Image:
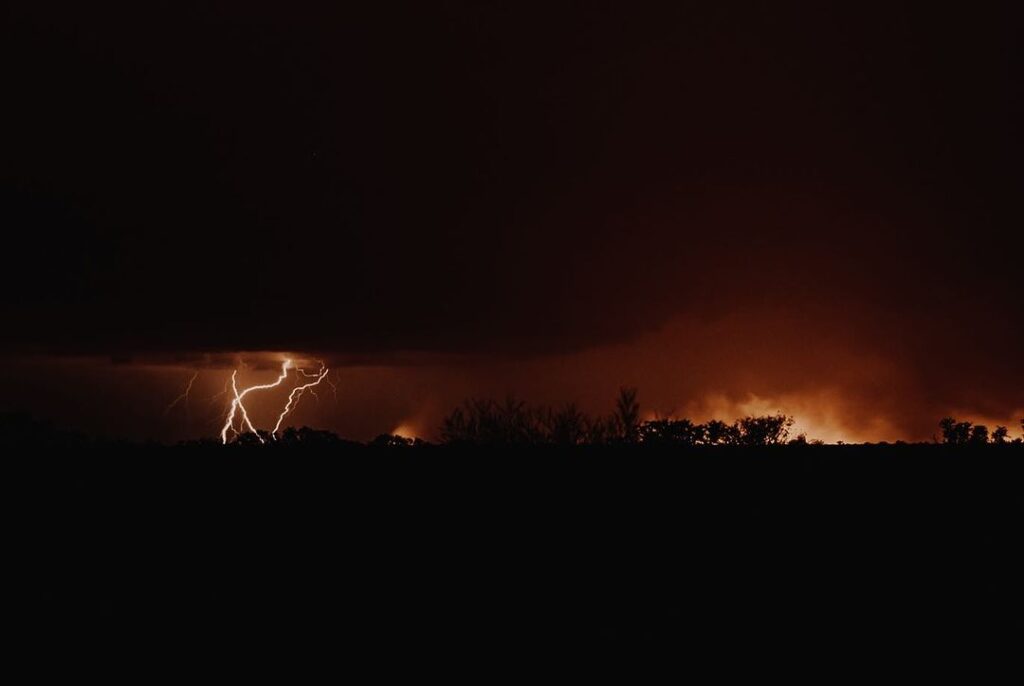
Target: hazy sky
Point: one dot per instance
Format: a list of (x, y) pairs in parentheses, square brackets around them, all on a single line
[(732, 207)]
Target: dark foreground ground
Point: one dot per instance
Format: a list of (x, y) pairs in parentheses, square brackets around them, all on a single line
[(421, 556)]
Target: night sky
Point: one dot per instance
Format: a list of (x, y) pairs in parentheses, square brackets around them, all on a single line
[(735, 208)]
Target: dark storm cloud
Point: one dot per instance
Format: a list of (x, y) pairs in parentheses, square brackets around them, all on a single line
[(454, 179)]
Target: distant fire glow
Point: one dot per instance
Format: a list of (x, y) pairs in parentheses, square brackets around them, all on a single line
[(237, 413)]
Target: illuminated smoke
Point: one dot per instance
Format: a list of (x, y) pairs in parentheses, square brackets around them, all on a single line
[(238, 406)]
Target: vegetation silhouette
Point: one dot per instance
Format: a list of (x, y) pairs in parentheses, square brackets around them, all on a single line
[(514, 423), (958, 433), (527, 523), (485, 422)]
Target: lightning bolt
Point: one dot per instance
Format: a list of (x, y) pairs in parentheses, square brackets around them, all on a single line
[(238, 406), (183, 396), (293, 397)]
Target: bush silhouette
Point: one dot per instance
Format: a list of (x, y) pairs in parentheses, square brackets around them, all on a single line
[(671, 432), (769, 430), (717, 432)]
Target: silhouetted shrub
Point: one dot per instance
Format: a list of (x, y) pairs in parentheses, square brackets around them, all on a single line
[(717, 432), (671, 432), (767, 430)]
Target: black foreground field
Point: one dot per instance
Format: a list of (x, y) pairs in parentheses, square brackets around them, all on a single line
[(454, 552)]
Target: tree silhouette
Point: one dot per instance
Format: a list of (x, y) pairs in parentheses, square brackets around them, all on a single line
[(600, 431), (515, 423), (627, 415), (954, 432), (999, 435), (486, 422), (979, 435), (567, 426)]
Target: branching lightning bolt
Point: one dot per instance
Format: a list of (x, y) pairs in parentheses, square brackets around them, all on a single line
[(183, 396), (293, 397), (238, 406), (334, 388)]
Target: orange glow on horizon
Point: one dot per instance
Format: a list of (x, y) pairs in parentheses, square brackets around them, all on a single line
[(406, 430)]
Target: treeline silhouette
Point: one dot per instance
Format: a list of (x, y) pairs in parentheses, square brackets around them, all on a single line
[(526, 524), (514, 423), (966, 433), (486, 422)]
